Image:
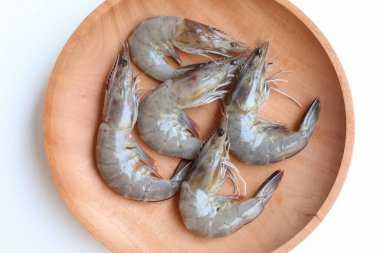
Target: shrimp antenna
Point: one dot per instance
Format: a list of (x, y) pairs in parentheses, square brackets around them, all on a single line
[(138, 78), (234, 181), (288, 96), (274, 81), (280, 72), (210, 58), (143, 92), (235, 174)]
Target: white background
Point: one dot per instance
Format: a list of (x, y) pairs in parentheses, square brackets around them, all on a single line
[(34, 218)]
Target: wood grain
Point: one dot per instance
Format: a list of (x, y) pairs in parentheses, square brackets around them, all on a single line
[(313, 178)]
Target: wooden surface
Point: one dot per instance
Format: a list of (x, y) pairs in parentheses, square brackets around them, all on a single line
[(312, 180)]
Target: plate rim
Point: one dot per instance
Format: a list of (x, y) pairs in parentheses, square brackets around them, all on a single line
[(350, 129)]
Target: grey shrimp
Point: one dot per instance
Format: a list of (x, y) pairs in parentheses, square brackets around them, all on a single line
[(208, 214), (118, 156), (255, 140), (155, 38), (164, 124)]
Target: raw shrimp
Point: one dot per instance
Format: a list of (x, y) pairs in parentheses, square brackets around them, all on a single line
[(164, 124), (118, 156), (156, 38), (255, 140), (208, 214)]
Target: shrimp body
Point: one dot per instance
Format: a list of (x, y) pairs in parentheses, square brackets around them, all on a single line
[(255, 140), (260, 142), (155, 38), (118, 156), (208, 214), (164, 124)]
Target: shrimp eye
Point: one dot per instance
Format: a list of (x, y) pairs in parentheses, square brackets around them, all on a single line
[(233, 62), (233, 44), (220, 131), (258, 51), (124, 63)]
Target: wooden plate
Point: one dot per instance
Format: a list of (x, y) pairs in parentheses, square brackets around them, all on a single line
[(313, 178)]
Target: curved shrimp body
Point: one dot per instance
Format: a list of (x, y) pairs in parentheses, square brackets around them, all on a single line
[(164, 124), (208, 214), (255, 140), (156, 38), (118, 155)]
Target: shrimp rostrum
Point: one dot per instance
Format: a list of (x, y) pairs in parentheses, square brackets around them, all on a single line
[(255, 140), (157, 37), (205, 212), (164, 124), (122, 163)]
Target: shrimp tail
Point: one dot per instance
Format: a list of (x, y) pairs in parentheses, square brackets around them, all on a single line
[(161, 189), (171, 51), (267, 189), (188, 122), (310, 118), (182, 170)]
